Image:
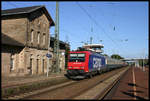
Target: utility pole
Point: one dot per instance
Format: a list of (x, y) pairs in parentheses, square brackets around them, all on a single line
[(143, 65), (48, 66), (56, 41), (143, 60), (91, 38)]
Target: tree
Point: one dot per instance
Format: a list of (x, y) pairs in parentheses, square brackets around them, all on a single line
[(116, 56), (146, 62), (105, 55), (66, 55)]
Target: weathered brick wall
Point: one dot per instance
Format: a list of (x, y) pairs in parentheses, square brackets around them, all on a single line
[(15, 28), (38, 65), (38, 23), (22, 62), (62, 59), (19, 29), (9, 52), (5, 63)]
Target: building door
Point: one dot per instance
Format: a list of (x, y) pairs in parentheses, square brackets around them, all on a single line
[(30, 69), (11, 64), (37, 66), (43, 67)]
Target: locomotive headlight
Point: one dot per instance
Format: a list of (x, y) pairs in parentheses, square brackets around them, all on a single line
[(82, 67)]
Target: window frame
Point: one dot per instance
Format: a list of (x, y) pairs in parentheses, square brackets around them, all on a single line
[(78, 58), (38, 37), (44, 38), (32, 35)]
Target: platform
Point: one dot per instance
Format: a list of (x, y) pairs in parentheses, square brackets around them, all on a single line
[(134, 85)]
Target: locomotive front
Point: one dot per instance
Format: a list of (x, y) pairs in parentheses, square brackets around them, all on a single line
[(77, 64)]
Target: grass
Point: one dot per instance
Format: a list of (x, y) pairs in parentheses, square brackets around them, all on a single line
[(6, 92)]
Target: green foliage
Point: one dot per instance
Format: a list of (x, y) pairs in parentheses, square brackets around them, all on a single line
[(116, 56), (9, 91), (146, 62), (30, 87), (66, 56), (105, 55)]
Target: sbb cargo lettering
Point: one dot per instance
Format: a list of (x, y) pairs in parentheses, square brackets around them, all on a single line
[(96, 62)]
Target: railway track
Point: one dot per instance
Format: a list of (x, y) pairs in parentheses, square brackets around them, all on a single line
[(72, 89), (90, 87), (108, 92), (105, 86)]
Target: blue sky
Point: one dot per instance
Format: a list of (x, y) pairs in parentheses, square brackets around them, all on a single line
[(130, 20)]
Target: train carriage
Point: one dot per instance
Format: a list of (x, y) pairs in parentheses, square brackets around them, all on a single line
[(84, 64), (113, 63)]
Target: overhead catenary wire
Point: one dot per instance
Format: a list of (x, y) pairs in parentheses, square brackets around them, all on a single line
[(66, 31), (95, 22)]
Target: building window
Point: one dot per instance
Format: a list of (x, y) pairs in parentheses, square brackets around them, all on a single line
[(32, 35), (39, 23), (11, 63), (38, 37), (44, 36), (30, 69)]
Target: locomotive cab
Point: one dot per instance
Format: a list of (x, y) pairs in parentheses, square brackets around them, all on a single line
[(77, 64)]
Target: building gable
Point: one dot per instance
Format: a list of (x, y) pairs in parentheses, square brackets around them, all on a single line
[(26, 10)]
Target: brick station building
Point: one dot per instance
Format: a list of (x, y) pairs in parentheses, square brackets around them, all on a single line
[(25, 33)]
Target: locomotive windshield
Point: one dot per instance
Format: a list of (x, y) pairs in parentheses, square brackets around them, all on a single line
[(77, 57)]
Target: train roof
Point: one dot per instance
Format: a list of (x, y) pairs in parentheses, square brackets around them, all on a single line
[(78, 51), (86, 51), (94, 45)]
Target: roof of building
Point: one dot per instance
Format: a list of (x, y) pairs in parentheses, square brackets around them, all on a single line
[(10, 41), (26, 10)]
